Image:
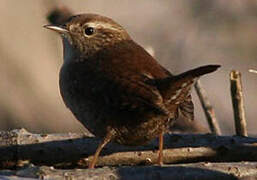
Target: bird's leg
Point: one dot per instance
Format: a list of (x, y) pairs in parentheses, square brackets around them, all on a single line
[(160, 153), (105, 141)]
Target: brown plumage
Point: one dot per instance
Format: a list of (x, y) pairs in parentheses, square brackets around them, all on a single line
[(115, 88)]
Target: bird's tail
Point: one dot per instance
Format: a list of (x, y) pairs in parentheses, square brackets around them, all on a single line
[(197, 72), (175, 89)]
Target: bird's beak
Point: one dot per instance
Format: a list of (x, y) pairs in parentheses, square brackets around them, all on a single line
[(56, 28)]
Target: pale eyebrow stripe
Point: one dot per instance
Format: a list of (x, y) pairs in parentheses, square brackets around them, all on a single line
[(103, 24)]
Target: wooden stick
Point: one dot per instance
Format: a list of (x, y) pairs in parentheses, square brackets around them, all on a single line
[(207, 108), (253, 71), (59, 15), (203, 170), (19, 148), (238, 103)]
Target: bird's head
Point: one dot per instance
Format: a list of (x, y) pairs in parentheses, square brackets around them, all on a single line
[(89, 33)]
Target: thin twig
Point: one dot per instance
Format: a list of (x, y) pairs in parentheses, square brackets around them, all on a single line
[(208, 109), (253, 71), (238, 103)]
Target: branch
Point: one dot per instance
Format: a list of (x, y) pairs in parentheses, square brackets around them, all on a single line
[(210, 171), (238, 103), (207, 108), (19, 147), (59, 15)]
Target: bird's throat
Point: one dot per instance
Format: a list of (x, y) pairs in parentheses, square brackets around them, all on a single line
[(69, 51)]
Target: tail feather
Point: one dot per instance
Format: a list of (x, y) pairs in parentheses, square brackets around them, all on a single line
[(175, 89), (197, 72)]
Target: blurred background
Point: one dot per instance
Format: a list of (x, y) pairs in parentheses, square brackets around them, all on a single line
[(184, 34)]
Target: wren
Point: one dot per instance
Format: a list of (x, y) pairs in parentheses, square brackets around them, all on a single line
[(115, 88)]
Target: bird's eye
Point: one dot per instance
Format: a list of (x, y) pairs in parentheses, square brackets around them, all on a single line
[(89, 31)]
